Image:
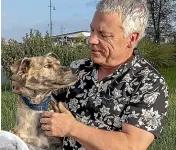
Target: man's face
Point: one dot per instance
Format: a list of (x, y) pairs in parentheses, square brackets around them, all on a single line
[(109, 47)]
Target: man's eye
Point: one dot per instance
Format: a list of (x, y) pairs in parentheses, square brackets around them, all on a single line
[(92, 30), (104, 35)]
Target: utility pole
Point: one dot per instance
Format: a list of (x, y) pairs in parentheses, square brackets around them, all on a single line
[(51, 24)]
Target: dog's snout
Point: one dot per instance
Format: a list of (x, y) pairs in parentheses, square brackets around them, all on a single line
[(65, 69), (68, 69)]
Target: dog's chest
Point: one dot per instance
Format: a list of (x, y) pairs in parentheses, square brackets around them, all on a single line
[(28, 120), (29, 128)]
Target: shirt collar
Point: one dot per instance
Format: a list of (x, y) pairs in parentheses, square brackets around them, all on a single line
[(121, 69)]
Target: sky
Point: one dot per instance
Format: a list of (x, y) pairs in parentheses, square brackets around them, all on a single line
[(19, 16)]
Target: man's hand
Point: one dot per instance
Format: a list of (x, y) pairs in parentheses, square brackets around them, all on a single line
[(58, 124)]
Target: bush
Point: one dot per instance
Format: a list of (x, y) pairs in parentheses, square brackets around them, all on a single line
[(68, 54), (34, 44), (159, 55)]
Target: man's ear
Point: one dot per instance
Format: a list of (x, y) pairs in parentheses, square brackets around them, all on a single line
[(134, 38), (21, 66)]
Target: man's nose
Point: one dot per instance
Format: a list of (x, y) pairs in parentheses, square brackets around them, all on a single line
[(93, 39)]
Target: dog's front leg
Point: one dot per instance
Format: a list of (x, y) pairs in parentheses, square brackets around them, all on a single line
[(36, 141)]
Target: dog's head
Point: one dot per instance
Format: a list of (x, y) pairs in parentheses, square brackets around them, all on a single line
[(42, 73)]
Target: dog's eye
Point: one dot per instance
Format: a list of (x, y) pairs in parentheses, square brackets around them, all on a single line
[(48, 66)]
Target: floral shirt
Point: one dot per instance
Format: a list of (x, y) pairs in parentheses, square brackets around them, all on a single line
[(135, 93)]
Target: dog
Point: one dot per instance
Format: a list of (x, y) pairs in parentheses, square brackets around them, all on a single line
[(37, 78)]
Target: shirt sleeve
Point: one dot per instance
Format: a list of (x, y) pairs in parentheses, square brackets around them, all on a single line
[(147, 107), (78, 64)]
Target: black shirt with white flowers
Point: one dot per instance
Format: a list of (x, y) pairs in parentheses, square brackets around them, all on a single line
[(134, 93)]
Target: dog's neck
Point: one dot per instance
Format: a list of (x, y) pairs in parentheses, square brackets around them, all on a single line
[(36, 97)]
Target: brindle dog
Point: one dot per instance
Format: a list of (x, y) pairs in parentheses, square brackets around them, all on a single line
[(37, 78)]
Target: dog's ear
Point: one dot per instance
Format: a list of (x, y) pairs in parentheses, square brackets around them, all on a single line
[(21, 66), (52, 55), (15, 66)]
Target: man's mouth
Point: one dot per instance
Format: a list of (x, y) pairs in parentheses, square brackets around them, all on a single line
[(95, 51)]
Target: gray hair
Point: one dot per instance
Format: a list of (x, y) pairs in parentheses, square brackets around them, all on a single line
[(134, 14)]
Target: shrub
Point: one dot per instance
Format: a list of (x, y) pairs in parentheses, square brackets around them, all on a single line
[(34, 44), (158, 55)]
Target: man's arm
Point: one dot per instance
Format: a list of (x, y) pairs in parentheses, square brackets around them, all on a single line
[(64, 124), (131, 138)]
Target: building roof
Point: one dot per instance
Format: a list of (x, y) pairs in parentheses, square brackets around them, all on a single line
[(73, 34)]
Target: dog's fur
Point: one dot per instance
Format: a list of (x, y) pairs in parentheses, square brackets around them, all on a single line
[(37, 78)]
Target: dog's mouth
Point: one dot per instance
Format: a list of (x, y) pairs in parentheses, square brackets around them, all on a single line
[(48, 84), (63, 88)]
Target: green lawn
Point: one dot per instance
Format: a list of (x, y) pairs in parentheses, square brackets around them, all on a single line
[(167, 140)]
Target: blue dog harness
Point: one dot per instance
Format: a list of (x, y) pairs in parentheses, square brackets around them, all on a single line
[(42, 106)]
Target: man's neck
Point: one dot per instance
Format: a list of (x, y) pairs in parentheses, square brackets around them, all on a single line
[(104, 71)]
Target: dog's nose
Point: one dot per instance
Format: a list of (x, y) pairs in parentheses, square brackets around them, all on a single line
[(74, 71)]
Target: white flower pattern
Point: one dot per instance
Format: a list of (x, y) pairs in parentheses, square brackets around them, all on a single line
[(138, 96)]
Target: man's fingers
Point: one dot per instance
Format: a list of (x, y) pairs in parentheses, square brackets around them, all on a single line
[(62, 108), (45, 120), (46, 127), (47, 114)]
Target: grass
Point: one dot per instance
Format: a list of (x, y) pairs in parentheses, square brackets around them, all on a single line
[(167, 140), (8, 103)]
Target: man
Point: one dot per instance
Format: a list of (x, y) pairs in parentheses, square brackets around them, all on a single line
[(120, 100)]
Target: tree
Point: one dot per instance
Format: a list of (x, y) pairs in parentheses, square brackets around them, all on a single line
[(162, 19)]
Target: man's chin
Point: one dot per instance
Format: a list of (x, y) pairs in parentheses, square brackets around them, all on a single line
[(96, 60)]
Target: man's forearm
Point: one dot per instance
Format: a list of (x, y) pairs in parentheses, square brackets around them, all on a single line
[(97, 139)]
